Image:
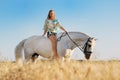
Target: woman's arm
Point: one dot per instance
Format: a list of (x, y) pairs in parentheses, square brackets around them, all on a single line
[(45, 28), (63, 29), (44, 32), (60, 26)]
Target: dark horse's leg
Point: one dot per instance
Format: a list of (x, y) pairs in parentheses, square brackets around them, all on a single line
[(34, 57)]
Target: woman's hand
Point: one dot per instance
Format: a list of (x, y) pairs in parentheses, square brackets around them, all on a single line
[(44, 32), (43, 35)]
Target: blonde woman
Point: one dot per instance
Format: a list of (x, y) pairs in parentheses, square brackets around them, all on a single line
[(50, 27)]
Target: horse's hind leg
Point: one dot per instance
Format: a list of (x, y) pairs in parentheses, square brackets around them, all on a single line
[(28, 53), (34, 57)]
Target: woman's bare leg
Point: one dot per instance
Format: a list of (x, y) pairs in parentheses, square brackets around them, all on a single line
[(54, 46)]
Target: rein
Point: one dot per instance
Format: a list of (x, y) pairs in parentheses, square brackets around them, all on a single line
[(64, 34), (75, 43), (59, 38)]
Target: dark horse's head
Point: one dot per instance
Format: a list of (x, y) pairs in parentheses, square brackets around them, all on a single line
[(88, 47)]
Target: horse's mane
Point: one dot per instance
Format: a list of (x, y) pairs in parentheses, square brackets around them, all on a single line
[(59, 34)]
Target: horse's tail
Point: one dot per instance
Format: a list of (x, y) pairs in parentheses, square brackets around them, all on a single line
[(18, 50)]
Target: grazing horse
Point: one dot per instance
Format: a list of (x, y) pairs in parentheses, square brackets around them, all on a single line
[(66, 42)]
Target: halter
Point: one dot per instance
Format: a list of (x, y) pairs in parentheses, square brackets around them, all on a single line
[(66, 33), (85, 45)]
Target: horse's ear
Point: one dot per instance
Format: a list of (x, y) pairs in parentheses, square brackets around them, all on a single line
[(95, 39)]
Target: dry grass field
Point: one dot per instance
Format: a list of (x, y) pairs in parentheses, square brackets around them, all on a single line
[(58, 70)]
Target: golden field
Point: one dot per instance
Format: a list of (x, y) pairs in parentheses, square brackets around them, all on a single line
[(58, 70)]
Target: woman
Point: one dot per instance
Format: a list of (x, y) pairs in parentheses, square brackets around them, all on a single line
[(50, 27)]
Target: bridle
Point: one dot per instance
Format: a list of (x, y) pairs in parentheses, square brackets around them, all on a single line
[(86, 44), (81, 48)]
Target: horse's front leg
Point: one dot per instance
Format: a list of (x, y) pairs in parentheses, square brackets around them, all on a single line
[(67, 56)]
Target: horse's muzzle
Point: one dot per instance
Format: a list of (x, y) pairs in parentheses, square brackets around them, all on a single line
[(88, 54)]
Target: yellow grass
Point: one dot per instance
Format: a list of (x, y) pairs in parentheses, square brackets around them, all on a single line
[(58, 70)]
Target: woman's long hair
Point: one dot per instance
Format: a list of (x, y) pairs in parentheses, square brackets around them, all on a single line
[(48, 17)]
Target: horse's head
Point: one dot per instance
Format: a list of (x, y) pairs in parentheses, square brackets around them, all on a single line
[(88, 47), (80, 40)]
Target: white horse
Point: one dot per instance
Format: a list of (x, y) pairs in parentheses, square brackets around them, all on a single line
[(66, 42)]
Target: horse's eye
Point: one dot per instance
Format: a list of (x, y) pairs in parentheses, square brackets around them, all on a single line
[(89, 45)]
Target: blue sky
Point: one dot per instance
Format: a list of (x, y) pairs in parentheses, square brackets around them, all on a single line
[(20, 19)]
